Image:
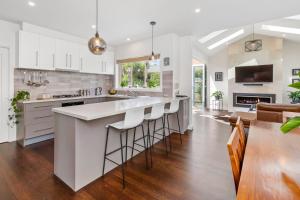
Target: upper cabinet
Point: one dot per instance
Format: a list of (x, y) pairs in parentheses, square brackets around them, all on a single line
[(36, 51), (97, 64), (46, 53), (67, 55), (28, 50)]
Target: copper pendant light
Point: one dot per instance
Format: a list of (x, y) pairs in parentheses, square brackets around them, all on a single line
[(97, 45), (152, 57)]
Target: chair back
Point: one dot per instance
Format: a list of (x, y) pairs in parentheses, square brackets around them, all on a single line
[(174, 107), (287, 115), (241, 131), (134, 117), (157, 111), (236, 156)]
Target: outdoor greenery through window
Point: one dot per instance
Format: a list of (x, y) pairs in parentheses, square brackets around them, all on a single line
[(141, 74)]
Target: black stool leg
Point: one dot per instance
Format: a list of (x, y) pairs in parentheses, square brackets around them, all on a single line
[(122, 158), (148, 141), (179, 127), (170, 143), (107, 133), (154, 129), (133, 142), (146, 153), (164, 134), (126, 145)]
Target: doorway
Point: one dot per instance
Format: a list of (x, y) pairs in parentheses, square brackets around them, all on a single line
[(198, 86), (4, 94)]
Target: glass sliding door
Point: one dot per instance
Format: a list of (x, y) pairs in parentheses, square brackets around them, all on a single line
[(198, 87)]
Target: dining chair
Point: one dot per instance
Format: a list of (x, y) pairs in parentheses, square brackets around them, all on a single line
[(287, 115), (241, 131), (236, 155)]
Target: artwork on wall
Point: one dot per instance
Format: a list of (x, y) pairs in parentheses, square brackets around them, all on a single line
[(295, 72), (218, 76), (295, 80), (166, 61)]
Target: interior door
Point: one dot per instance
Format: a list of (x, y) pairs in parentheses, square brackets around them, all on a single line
[(4, 80)]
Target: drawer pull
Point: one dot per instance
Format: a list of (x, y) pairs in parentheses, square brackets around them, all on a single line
[(42, 106), (43, 129), (43, 117)]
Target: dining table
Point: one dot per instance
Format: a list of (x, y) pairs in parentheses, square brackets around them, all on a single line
[(271, 165)]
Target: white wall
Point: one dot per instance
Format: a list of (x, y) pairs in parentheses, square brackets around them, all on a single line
[(283, 54), (291, 60), (8, 40), (217, 63)]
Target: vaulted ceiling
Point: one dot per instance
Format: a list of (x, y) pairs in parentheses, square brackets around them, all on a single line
[(121, 19)]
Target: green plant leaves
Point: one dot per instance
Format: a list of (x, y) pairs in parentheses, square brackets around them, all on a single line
[(295, 85), (290, 125)]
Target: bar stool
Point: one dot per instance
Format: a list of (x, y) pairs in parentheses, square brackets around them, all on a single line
[(157, 112), (133, 119), (174, 109)]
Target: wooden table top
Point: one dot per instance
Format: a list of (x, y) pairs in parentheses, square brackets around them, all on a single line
[(271, 167)]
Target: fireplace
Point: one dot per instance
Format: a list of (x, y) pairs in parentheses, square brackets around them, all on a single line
[(250, 99)]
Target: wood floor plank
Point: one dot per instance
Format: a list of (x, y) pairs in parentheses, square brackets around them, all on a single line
[(197, 169)]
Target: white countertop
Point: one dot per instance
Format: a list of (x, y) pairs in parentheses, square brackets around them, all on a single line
[(75, 98), (105, 109)]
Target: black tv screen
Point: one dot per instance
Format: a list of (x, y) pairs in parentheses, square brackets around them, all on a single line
[(254, 74)]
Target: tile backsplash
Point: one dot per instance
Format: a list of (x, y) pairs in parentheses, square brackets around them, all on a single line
[(63, 82)]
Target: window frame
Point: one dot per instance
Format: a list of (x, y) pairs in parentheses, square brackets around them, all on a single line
[(137, 59)]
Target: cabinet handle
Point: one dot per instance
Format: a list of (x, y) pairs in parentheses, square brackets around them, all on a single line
[(43, 129), (43, 117), (36, 58), (67, 60), (81, 63), (53, 60), (70, 60), (42, 106)]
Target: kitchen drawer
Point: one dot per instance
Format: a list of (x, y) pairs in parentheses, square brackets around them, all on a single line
[(92, 100), (39, 129), (36, 117), (40, 106)]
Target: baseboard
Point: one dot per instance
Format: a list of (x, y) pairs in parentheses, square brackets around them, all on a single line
[(34, 140)]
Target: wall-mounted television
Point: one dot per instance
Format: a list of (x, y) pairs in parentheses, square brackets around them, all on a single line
[(254, 74)]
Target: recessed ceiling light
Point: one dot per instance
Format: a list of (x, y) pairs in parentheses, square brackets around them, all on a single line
[(128, 39), (197, 10), (211, 36), (281, 29), (93, 26), (226, 39), (31, 3)]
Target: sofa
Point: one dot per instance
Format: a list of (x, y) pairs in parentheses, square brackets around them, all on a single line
[(273, 112)]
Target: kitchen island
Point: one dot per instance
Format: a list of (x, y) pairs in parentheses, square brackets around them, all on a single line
[(80, 133)]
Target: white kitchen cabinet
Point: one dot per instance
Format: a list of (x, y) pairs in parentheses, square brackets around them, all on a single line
[(46, 53), (89, 61), (28, 50), (74, 56), (67, 55), (108, 61)]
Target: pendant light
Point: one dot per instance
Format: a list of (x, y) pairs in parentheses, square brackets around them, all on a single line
[(254, 44), (97, 45), (153, 23)]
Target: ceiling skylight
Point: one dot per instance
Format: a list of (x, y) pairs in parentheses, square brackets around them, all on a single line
[(295, 17), (281, 29), (226, 39), (211, 36)]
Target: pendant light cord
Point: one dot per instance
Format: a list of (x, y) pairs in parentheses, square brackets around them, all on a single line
[(97, 15), (152, 37)]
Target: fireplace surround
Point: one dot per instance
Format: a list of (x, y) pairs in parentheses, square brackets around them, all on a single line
[(249, 99)]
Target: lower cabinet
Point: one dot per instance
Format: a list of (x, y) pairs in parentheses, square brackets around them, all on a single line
[(36, 123)]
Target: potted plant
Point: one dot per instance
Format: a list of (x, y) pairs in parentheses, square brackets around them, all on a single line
[(14, 111), (294, 122), (295, 97), (217, 94)]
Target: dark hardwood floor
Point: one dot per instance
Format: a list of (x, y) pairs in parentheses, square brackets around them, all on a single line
[(197, 169)]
